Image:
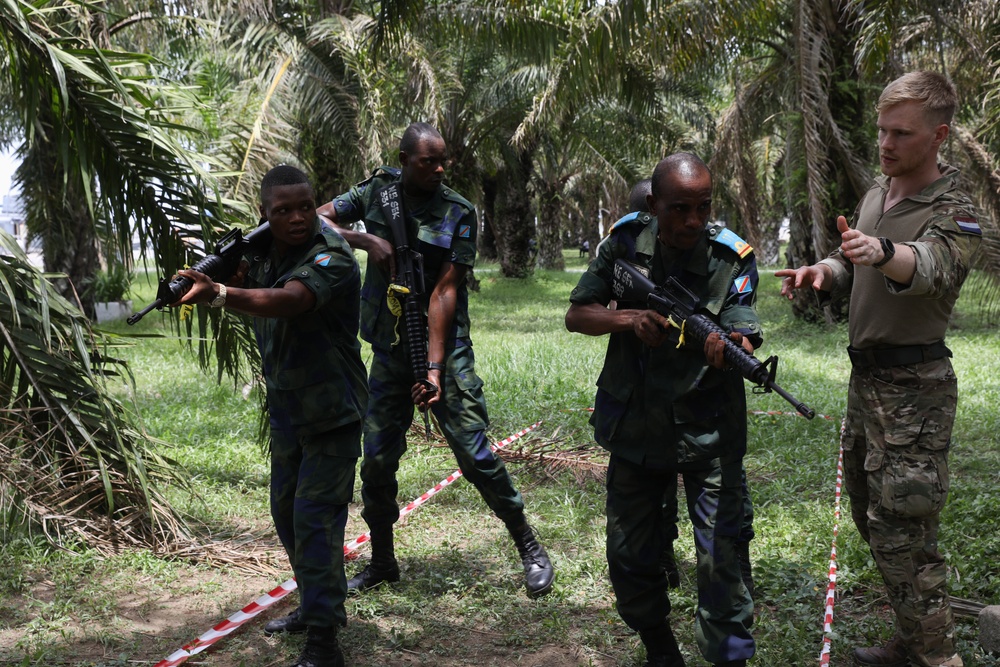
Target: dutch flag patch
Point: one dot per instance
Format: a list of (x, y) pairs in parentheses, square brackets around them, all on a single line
[(968, 225)]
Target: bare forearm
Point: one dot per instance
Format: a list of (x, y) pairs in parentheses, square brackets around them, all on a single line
[(440, 316), (596, 320), (269, 302), (902, 266)]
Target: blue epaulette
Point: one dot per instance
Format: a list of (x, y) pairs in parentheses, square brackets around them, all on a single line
[(730, 240), (626, 219)]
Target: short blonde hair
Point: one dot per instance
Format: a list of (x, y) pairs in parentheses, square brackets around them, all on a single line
[(934, 91)]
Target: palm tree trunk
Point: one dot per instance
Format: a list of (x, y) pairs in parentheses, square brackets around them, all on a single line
[(56, 214), (550, 238), (513, 222)]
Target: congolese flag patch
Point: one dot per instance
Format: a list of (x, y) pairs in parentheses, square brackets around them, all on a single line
[(742, 285), (323, 259), (464, 231)]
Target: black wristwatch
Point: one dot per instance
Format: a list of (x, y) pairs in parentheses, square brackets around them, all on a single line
[(435, 366), (888, 250)]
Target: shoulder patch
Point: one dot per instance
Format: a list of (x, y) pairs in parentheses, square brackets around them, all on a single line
[(742, 285), (323, 259), (968, 225), (464, 231), (733, 242)]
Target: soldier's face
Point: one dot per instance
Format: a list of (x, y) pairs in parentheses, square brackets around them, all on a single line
[(682, 207), (423, 169), (908, 140), (291, 210)]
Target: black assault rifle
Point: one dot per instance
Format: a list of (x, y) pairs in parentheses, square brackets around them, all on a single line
[(219, 266), (407, 286), (678, 304)]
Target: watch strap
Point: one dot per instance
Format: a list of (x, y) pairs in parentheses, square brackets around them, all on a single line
[(888, 251), (220, 299), (435, 366)]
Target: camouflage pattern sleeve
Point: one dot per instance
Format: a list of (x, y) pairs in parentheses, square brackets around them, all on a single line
[(463, 243), (351, 205), (594, 285), (329, 270), (945, 252), (739, 311)]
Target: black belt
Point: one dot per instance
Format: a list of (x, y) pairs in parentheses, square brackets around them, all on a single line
[(898, 356)]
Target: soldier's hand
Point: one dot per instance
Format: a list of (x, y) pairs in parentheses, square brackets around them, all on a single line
[(804, 276), (202, 291), (426, 394), (381, 253), (651, 327), (858, 248), (715, 347), (240, 275)]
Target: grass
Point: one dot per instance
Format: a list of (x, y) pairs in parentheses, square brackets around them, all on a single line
[(461, 600)]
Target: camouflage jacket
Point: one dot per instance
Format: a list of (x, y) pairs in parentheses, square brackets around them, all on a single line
[(316, 380), (445, 229), (665, 405)]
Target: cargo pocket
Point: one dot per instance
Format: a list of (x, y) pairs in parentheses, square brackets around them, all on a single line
[(469, 403), (610, 406), (915, 479)]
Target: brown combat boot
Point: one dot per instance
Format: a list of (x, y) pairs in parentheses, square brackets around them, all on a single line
[(892, 654)]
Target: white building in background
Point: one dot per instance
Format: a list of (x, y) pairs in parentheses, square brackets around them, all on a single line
[(12, 217)]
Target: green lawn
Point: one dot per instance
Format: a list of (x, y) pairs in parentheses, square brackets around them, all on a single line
[(461, 600)]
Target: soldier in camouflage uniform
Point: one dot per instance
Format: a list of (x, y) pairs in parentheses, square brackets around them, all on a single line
[(905, 256), (303, 294), (442, 226), (661, 410), (637, 202)]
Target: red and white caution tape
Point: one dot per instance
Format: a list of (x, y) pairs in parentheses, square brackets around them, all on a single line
[(831, 589), (263, 602)]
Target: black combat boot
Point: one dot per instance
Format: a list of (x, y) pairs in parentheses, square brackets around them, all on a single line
[(743, 556), (669, 563), (383, 568), (321, 649), (289, 624), (661, 647), (538, 571)]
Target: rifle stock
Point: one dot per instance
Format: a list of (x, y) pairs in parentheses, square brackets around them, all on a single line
[(219, 266), (678, 304)]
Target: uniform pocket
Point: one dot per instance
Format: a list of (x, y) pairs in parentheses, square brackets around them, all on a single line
[(914, 481)]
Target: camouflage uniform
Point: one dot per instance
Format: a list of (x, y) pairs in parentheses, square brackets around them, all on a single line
[(445, 228), (900, 410), (316, 397), (663, 411)]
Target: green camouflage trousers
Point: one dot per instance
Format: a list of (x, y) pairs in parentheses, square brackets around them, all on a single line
[(461, 413), (896, 441), (670, 513), (635, 539), (311, 487)]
